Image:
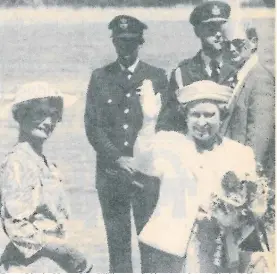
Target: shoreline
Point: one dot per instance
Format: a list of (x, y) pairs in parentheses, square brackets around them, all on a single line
[(27, 15)]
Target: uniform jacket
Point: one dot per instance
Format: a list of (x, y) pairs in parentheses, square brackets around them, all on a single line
[(33, 202), (192, 70), (113, 114), (252, 122)]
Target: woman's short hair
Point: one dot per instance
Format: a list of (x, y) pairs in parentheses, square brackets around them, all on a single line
[(183, 108)]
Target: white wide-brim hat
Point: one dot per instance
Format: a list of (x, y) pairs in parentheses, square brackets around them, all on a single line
[(32, 91)]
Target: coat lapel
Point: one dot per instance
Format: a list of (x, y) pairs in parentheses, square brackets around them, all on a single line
[(138, 76), (198, 71), (228, 74), (197, 68), (116, 75), (118, 78), (116, 82)]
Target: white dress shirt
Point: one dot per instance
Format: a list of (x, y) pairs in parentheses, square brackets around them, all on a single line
[(131, 68)]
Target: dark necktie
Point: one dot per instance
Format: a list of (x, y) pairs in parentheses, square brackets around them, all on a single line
[(214, 65), (127, 73)]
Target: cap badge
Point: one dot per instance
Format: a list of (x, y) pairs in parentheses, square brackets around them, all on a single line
[(123, 23), (216, 10)]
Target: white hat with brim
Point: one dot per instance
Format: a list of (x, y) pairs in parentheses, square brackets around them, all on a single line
[(32, 91), (204, 90)]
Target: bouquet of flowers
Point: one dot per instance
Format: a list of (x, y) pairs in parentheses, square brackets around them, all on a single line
[(235, 213), (234, 200)]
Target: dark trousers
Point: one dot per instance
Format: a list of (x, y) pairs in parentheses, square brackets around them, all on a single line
[(161, 262), (117, 196)]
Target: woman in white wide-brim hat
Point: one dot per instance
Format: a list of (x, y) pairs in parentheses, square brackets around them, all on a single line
[(34, 208), (197, 168)]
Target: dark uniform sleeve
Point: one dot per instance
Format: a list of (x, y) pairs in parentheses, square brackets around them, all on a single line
[(260, 124), (162, 86), (169, 117), (94, 124), (173, 86)]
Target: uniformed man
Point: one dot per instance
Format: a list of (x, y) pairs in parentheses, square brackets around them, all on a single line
[(113, 118), (207, 20)]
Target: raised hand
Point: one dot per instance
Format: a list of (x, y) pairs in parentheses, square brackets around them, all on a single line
[(150, 102)]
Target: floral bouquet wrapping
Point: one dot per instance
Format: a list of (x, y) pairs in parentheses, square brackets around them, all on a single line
[(236, 209)]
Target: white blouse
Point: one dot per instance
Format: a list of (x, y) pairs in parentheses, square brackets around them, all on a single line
[(188, 178)]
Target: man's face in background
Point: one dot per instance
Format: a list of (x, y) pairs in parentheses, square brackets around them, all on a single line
[(211, 36), (239, 47), (238, 50)]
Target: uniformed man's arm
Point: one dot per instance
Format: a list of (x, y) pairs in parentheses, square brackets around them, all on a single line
[(162, 85), (169, 115), (260, 124), (94, 124)]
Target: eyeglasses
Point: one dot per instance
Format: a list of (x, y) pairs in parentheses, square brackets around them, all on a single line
[(237, 43)]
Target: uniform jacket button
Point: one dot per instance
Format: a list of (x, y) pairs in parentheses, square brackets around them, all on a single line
[(126, 111), (125, 126), (128, 95)]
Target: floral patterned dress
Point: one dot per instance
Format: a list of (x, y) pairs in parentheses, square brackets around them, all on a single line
[(33, 203)]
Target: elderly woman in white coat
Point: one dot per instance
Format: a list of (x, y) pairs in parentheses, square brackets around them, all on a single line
[(206, 184), (34, 207)]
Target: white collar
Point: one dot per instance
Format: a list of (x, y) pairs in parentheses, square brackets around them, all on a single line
[(206, 59), (249, 64), (34, 157), (132, 67)]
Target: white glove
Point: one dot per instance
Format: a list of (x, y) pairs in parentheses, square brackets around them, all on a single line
[(150, 102)]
